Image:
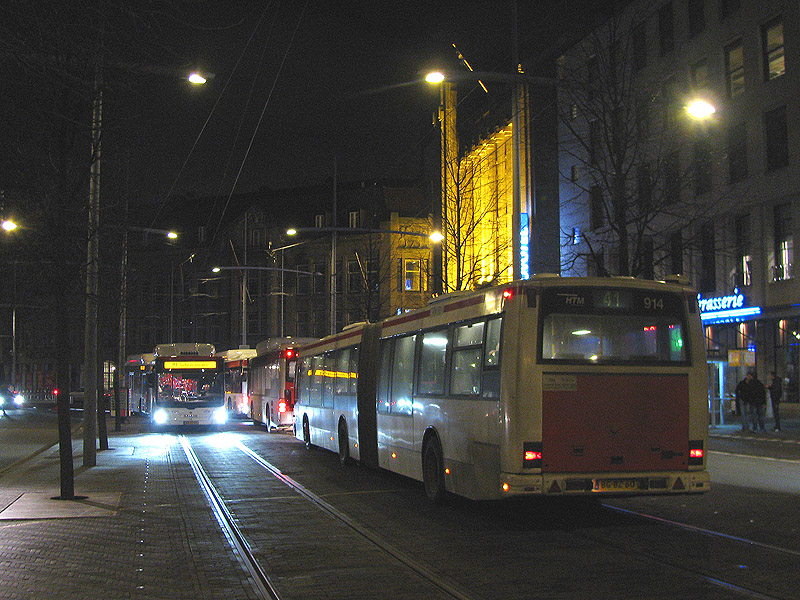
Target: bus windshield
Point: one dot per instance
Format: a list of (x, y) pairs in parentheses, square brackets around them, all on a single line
[(612, 326), (196, 387)]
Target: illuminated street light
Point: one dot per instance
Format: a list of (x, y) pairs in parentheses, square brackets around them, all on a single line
[(8, 225), (196, 78), (700, 109), (434, 77)]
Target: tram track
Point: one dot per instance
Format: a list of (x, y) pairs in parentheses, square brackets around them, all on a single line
[(729, 584), (262, 580), (736, 588)]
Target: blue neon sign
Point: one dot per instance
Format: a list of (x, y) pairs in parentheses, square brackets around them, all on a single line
[(524, 240), (725, 309)]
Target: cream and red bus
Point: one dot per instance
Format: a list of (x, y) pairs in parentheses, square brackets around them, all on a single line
[(548, 386)]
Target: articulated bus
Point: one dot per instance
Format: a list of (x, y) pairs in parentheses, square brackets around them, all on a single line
[(188, 386), (549, 386), (140, 389), (237, 364), (272, 379)]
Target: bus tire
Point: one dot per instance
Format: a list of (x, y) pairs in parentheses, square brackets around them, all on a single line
[(433, 472), (306, 433), (344, 443)]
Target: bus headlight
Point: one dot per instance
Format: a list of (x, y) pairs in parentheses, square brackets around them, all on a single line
[(220, 415), (160, 417), (19, 400)]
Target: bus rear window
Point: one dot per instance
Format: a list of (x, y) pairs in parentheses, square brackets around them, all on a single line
[(612, 326)]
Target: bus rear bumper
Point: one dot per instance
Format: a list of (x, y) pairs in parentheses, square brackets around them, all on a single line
[(605, 484)]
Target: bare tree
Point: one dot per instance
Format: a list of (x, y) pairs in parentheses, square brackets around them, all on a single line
[(476, 217), (637, 170)]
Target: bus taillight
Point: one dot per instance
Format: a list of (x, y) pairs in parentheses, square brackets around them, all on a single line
[(696, 453), (282, 406), (532, 455)]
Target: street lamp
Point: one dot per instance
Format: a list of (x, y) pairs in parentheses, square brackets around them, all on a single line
[(8, 225), (700, 109)]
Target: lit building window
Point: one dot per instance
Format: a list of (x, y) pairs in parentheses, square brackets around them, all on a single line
[(772, 39), (411, 275)]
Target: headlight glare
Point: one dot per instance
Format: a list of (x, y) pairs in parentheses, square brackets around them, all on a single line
[(220, 415)]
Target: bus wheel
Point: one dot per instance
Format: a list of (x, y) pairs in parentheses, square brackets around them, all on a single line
[(306, 433), (433, 472), (344, 443)]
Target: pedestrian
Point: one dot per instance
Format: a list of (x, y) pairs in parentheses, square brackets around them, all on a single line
[(775, 395), (742, 393), (753, 394)]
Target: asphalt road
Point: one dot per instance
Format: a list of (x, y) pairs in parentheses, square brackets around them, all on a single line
[(736, 541)]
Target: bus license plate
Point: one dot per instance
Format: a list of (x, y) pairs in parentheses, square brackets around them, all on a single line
[(191, 422), (615, 485)]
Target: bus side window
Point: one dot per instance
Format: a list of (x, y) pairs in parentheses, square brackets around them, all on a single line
[(329, 372), (303, 380), (341, 378), (432, 362), (491, 359), (403, 375), (354, 372), (383, 402), (315, 389), (466, 367)]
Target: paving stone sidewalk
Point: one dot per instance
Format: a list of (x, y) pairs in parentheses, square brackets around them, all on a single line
[(144, 530)]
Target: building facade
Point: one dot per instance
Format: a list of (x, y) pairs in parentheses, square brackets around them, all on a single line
[(648, 191)]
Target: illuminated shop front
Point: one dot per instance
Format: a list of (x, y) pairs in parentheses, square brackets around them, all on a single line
[(742, 336)]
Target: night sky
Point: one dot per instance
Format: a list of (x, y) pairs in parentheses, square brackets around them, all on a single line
[(298, 86), (328, 81)]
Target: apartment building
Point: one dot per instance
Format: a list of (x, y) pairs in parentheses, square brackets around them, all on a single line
[(647, 190)]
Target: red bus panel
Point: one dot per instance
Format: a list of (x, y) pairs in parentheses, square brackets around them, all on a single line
[(614, 423)]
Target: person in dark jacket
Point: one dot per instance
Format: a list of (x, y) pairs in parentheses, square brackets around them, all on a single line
[(754, 394), (775, 394)]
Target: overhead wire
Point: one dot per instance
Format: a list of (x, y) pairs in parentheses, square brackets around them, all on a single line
[(261, 118), (208, 119)]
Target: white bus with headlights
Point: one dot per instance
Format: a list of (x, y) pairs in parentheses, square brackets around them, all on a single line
[(11, 399), (188, 386)]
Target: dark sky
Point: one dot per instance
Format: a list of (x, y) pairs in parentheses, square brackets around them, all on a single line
[(328, 80)]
